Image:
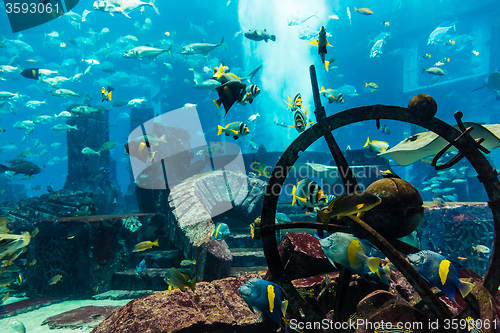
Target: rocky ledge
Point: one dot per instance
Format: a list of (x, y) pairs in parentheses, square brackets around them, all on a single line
[(213, 307)]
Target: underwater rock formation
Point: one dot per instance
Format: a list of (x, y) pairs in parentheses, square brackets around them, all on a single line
[(80, 318), (86, 251), (218, 307), (88, 172), (198, 199), (302, 256), (383, 306), (472, 224), (213, 307), (58, 204), (217, 261)]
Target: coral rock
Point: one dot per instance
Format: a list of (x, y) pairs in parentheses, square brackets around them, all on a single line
[(381, 306), (302, 256), (213, 307), (218, 260)]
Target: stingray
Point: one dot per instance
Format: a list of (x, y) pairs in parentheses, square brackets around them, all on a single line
[(493, 83), (424, 144)]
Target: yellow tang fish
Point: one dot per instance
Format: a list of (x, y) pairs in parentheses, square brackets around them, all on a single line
[(377, 146), (55, 279), (144, 246), (349, 204)]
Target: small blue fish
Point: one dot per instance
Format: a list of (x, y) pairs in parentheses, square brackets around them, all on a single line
[(265, 297), (221, 231), (141, 267), (188, 262), (19, 280), (441, 272)]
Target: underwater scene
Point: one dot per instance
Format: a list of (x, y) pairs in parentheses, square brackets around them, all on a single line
[(249, 166)]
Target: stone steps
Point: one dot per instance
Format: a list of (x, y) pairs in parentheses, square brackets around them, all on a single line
[(248, 257), (160, 258), (245, 260), (122, 294), (149, 279), (247, 254), (242, 240), (238, 271)]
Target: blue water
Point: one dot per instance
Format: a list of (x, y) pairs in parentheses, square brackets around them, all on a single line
[(397, 71)]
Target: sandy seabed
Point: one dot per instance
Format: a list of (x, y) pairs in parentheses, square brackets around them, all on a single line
[(32, 320)]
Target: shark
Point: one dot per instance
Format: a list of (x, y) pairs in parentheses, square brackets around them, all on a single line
[(493, 83)]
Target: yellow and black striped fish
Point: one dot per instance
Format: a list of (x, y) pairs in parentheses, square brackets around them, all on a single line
[(308, 194)]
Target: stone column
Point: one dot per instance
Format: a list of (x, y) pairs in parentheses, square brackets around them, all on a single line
[(91, 173)]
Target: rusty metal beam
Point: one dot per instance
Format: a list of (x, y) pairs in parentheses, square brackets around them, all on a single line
[(350, 182), (437, 307), (350, 185)]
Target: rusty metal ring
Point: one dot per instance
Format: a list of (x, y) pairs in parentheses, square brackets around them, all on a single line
[(350, 116)]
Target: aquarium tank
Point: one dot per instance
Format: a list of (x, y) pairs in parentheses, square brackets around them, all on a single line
[(247, 166)]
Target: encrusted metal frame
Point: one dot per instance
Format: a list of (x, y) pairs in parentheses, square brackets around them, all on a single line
[(467, 147)]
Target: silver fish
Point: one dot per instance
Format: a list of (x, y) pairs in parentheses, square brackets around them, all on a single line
[(65, 93), (201, 48), (146, 52)]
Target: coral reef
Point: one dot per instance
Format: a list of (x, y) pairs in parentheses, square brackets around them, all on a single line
[(471, 224), (197, 200), (131, 223)]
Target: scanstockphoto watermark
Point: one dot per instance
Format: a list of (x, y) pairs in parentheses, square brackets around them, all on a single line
[(329, 189), (27, 14), (379, 326)]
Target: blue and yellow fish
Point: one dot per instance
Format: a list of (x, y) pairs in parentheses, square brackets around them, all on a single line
[(221, 231), (441, 272), (265, 297), (188, 262), (352, 253)]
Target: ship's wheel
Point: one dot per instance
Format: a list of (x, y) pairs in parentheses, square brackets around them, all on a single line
[(421, 111)]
